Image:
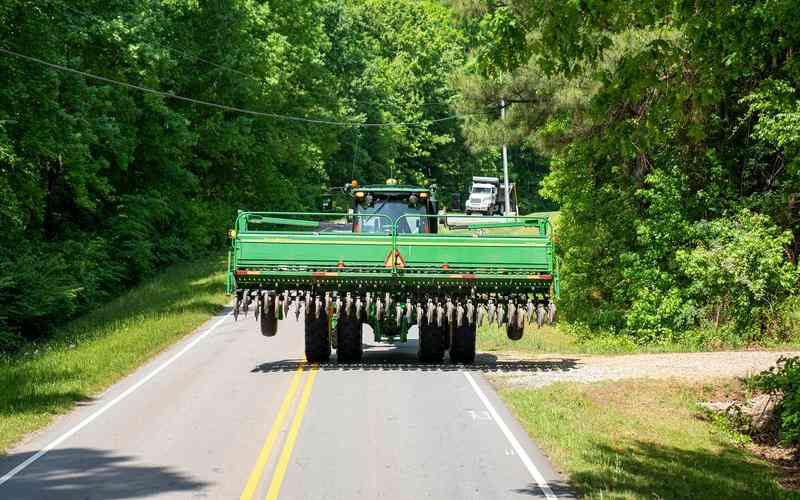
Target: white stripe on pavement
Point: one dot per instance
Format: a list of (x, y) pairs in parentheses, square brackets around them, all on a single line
[(523, 455), (88, 420)]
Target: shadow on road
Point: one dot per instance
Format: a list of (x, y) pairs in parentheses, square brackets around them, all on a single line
[(84, 473), (404, 358), (559, 488)]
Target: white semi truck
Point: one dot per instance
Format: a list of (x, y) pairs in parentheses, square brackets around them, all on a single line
[(487, 196)]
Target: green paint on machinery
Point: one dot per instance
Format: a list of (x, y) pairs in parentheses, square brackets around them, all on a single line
[(392, 262)]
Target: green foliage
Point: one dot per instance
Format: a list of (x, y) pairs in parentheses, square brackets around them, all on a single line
[(673, 133), (100, 185), (738, 269), (783, 381)]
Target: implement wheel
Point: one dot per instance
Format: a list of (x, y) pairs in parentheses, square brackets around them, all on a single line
[(269, 322), (431, 346), (462, 347), (516, 325), (348, 332), (318, 343)]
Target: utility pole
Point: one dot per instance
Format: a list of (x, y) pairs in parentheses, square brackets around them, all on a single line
[(507, 208)]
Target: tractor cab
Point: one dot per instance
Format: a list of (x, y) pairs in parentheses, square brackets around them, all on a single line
[(377, 208)]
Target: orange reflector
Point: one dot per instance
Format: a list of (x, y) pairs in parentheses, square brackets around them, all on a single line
[(423, 195), (354, 183), (243, 272), (399, 261), (462, 276), (540, 277), (324, 275), (445, 266)]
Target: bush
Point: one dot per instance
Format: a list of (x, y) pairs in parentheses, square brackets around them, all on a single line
[(42, 285), (783, 381), (738, 272)]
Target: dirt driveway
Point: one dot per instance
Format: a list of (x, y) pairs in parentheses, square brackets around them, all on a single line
[(689, 366)]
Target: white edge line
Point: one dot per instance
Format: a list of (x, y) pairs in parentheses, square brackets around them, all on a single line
[(88, 420), (523, 455)]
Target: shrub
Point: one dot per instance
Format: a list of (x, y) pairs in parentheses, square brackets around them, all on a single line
[(738, 272), (783, 381)]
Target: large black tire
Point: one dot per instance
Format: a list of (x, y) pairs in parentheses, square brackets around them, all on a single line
[(318, 344), (431, 346), (269, 322), (462, 348), (348, 333)]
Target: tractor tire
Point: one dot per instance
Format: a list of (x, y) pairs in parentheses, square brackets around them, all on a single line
[(269, 322), (462, 348), (318, 343), (431, 346), (348, 333)]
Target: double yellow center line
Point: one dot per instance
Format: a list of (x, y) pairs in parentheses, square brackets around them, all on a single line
[(269, 443)]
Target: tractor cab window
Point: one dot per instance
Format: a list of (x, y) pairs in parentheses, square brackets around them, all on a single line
[(393, 209)]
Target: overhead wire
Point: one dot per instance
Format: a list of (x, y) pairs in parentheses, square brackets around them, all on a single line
[(225, 107), (250, 76), (169, 49)]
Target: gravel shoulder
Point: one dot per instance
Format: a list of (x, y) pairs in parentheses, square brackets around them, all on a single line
[(588, 369)]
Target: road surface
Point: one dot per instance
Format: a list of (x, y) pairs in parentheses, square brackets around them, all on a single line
[(229, 414)]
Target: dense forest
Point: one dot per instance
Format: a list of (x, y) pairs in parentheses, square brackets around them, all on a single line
[(668, 132), (673, 130), (111, 167)]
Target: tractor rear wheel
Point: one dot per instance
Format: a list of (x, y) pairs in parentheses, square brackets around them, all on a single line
[(269, 322), (318, 343), (348, 333), (431, 346), (462, 346)]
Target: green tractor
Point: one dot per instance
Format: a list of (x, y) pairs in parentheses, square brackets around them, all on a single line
[(392, 262)]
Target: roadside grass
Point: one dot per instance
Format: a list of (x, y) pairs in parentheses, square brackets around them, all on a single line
[(555, 340), (559, 340), (642, 439), (91, 353)]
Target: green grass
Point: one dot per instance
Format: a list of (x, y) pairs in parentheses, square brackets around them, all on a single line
[(89, 354), (559, 340), (555, 340), (543, 340), (641, 439)]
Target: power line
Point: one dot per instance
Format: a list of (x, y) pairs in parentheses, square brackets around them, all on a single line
[(170, 49), (224, 107), (251, 76)]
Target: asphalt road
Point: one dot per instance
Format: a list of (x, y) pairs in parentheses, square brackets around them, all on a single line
[(229, 414)]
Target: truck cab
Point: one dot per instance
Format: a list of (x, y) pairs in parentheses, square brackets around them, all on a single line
[(482, 198), (488, 197)]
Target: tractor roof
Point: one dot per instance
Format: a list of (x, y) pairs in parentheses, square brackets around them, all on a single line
[(392, 188)]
